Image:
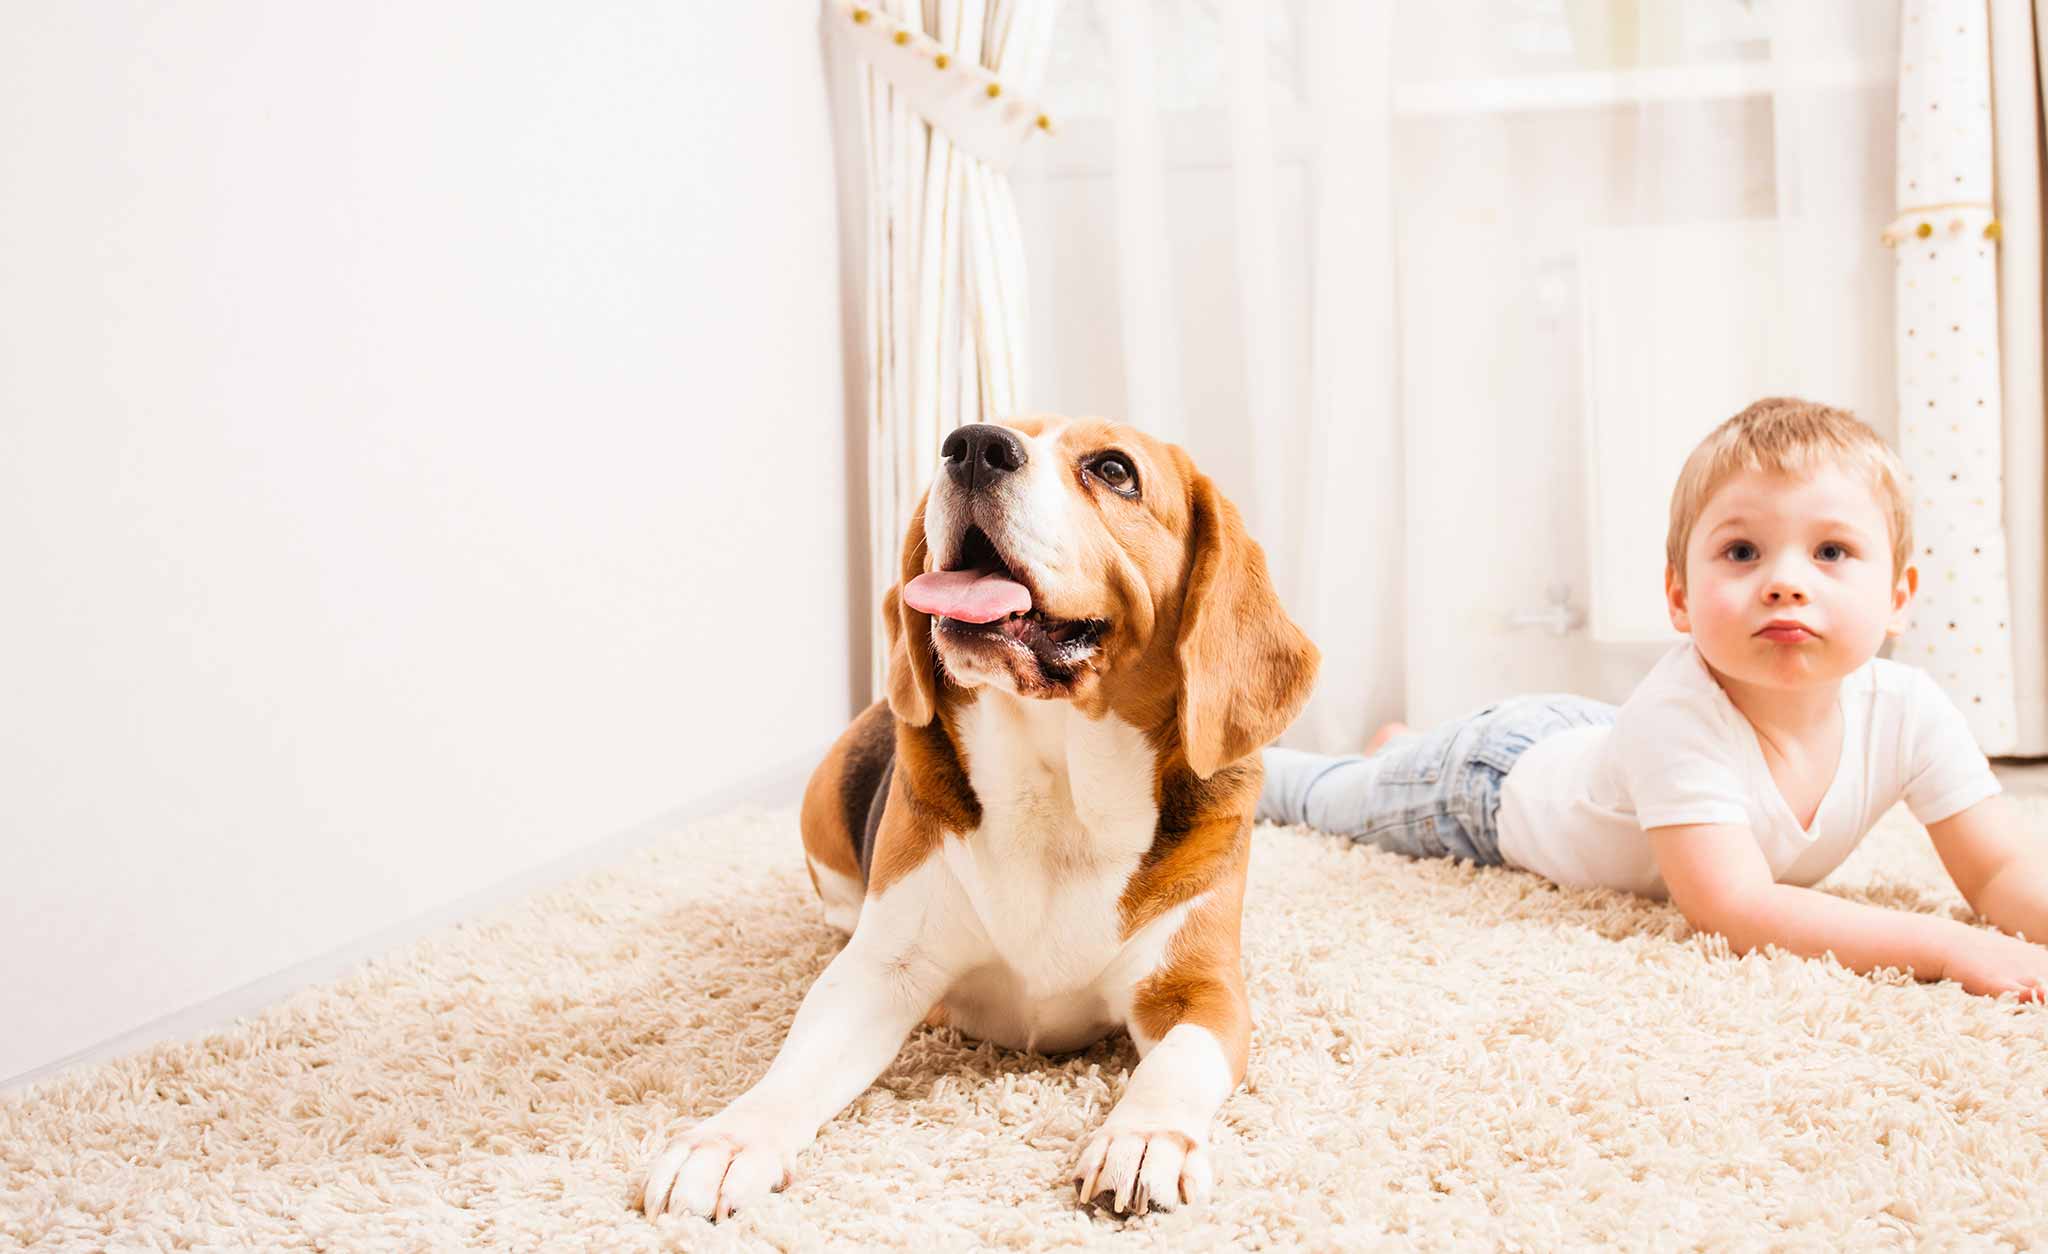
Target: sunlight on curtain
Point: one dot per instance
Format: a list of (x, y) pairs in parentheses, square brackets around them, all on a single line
[(1449, 289)]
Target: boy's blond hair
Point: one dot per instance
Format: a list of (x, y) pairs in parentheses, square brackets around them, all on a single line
[(1785, 435)]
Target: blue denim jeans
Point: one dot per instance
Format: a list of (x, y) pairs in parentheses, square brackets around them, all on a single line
[(1433, 794)]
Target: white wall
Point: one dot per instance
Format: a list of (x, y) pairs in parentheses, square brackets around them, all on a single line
[(423, 452)]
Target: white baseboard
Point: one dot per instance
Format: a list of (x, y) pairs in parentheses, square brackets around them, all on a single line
[(780, 786)]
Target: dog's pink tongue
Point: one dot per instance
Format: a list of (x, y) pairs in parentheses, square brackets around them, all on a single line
[(971, 596)]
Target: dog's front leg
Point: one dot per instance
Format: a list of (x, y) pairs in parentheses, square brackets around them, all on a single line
[(1153, 1150), (1192, 1029), (849, 1027)]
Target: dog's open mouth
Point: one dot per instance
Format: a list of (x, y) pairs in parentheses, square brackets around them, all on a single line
[(979, 597)]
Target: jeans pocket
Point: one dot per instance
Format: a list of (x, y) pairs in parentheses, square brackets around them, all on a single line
[(1523, 722), (1501, 749)]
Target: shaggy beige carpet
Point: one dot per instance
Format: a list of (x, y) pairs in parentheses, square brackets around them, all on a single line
[(1443, 1056)]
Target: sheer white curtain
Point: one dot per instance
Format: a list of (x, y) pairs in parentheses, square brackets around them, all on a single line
[(1442, 292), (947, 100)]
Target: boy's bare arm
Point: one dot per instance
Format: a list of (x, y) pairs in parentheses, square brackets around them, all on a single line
[(2003, 875), (1719, 879)]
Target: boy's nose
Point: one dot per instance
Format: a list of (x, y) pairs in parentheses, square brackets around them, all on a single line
[(1785, 576)]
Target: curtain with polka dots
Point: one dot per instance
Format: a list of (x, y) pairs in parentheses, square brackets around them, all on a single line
[(1951, 415)]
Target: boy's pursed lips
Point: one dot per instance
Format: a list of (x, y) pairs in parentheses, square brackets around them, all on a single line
[(1787, 631)]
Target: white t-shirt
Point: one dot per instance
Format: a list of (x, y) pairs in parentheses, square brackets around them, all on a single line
[(1575, 806)]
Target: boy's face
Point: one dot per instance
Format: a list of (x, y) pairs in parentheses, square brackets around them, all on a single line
[(1788, 580)]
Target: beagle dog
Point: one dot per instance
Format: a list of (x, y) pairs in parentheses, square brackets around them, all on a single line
[(1042, 835)]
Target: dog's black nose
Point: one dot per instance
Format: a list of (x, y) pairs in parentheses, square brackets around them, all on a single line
[(980, 454)]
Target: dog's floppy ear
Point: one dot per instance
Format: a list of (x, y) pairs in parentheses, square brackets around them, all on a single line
[(913, 667), (1246, 669)]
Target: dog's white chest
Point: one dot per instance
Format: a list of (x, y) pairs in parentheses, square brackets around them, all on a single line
[(1067, 812)]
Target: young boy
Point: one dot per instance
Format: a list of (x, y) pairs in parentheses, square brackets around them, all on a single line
[(1755, 755)]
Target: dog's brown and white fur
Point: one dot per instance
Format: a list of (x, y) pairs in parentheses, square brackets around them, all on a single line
[(1064, 811)]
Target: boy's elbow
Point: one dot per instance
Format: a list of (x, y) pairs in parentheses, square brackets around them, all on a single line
[(1740, 918), (2005, 890)]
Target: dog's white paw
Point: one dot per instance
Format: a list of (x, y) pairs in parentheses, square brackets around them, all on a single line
[(714, 1169), (1138, 1170)]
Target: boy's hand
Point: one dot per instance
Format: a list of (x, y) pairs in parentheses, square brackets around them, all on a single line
[(1992, 963), (1718, 877)]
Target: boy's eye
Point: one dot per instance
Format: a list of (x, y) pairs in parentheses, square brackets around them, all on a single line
[(1740, 551), (1831, 552)]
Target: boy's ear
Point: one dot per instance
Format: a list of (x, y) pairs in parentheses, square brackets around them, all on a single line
[(1902, 600), (1674, 600)]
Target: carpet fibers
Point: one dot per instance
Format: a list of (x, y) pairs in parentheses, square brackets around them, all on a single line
[(1443, 1056)]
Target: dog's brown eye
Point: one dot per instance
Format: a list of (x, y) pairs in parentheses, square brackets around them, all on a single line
[(1115, 471)]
